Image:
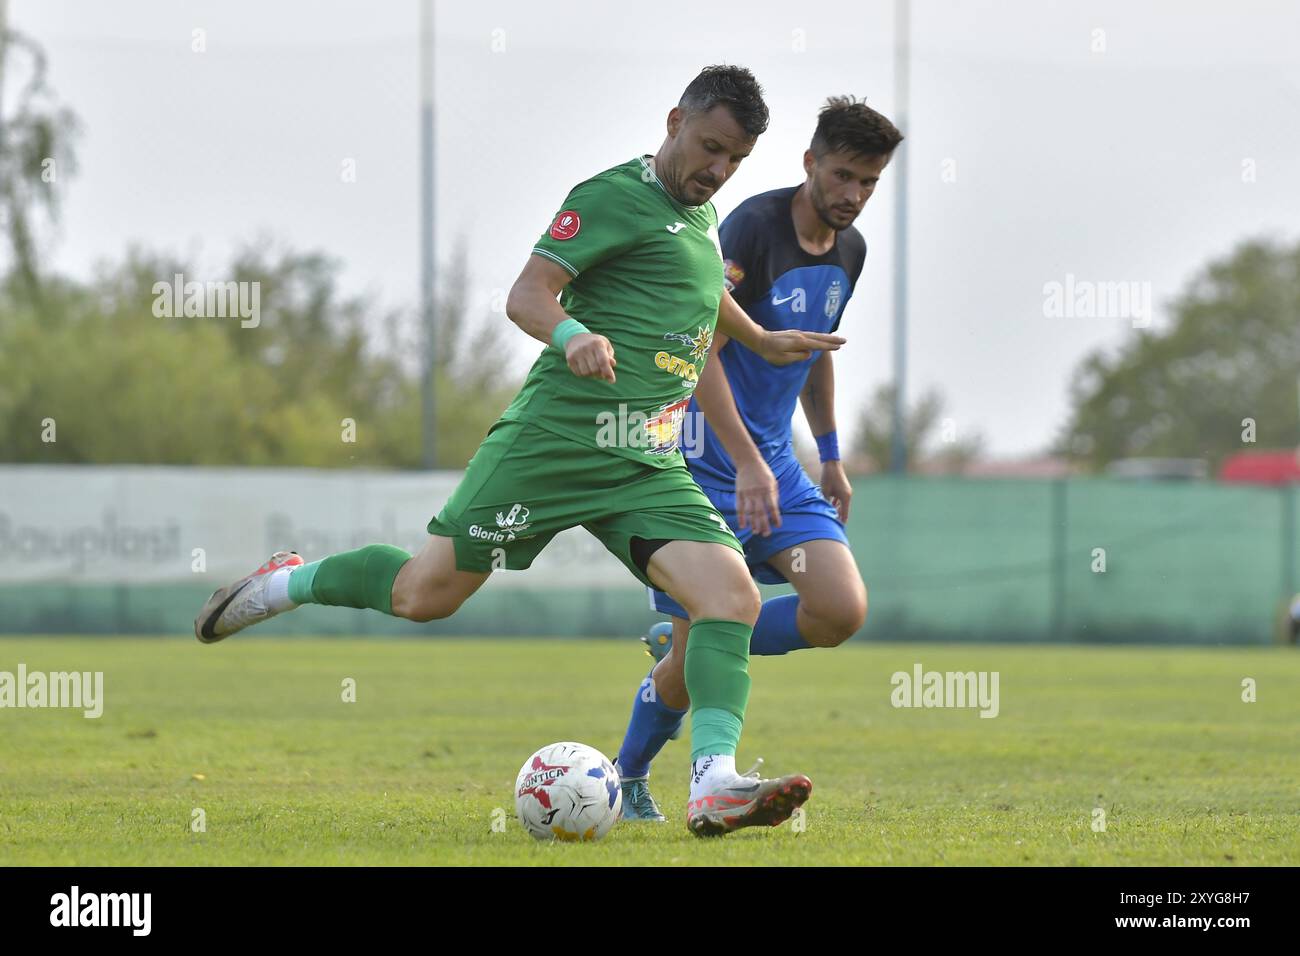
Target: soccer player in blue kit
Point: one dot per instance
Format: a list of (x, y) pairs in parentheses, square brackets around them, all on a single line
[(792, 258)]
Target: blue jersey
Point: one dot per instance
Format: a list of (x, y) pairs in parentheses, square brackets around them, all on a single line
[(780, 286)]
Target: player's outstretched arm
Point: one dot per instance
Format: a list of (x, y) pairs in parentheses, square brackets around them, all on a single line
[(532, 306), (757, 502), (818, 400), (779, 348)]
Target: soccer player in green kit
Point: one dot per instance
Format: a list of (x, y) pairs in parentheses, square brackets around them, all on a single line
[(593, 437)]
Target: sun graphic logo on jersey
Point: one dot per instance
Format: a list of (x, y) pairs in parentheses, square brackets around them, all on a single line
[(699, 342)]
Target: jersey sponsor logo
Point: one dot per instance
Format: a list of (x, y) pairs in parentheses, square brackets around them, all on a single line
[(677, 366), (659, 431), (732, 274), (833, 300), (514, 521), (699, 342), (799, 297), (566, 225), (664, 428), (676, 227), (687, 370)]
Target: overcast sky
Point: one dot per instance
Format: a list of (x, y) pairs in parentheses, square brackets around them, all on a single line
[(1111, 141)]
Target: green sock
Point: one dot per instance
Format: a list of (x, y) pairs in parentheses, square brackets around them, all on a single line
[(360, 578), (717, 677)]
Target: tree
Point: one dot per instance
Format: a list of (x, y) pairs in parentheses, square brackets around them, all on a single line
[(35, 152), (1231, 353), (473, 381), (124, 385), (929, 437), (123, 381)]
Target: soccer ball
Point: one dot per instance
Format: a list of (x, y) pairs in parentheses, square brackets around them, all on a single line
[(568, 791)]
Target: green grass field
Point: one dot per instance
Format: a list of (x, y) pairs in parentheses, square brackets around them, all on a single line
[(255, 734)]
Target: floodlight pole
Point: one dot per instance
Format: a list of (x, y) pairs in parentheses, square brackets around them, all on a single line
[(902, 53), (428, 382)]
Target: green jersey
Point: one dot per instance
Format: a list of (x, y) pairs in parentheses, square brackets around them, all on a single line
[(647, 275)]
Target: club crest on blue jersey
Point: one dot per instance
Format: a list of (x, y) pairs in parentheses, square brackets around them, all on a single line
[(833, 300)]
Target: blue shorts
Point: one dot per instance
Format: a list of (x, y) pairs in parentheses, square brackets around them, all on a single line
[(805, 516)]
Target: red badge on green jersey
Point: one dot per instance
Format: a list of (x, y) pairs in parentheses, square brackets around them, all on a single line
[(566, 225)]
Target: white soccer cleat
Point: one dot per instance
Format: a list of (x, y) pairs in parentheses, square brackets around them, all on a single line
[(239, 605), (747, 801)]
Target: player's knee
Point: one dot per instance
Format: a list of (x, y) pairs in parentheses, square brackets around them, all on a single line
[(751, 602), (424, 612), (415, 609), (838, 620), (423, 601), (738, 601)]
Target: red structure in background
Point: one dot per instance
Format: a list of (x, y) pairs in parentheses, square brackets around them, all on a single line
[(1262, 468)]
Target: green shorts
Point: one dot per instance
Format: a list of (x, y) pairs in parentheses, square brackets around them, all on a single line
[(524, 485)]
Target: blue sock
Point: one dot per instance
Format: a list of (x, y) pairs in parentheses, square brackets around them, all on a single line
[(651, 725), (776, 631)]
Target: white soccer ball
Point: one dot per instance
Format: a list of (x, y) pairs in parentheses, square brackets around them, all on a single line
[(568, 791)]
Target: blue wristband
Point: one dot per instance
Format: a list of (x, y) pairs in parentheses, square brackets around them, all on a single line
[(565, 331), (828, 447)]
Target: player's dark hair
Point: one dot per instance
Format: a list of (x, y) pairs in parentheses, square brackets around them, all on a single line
[(733, 87), (849, 125)]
